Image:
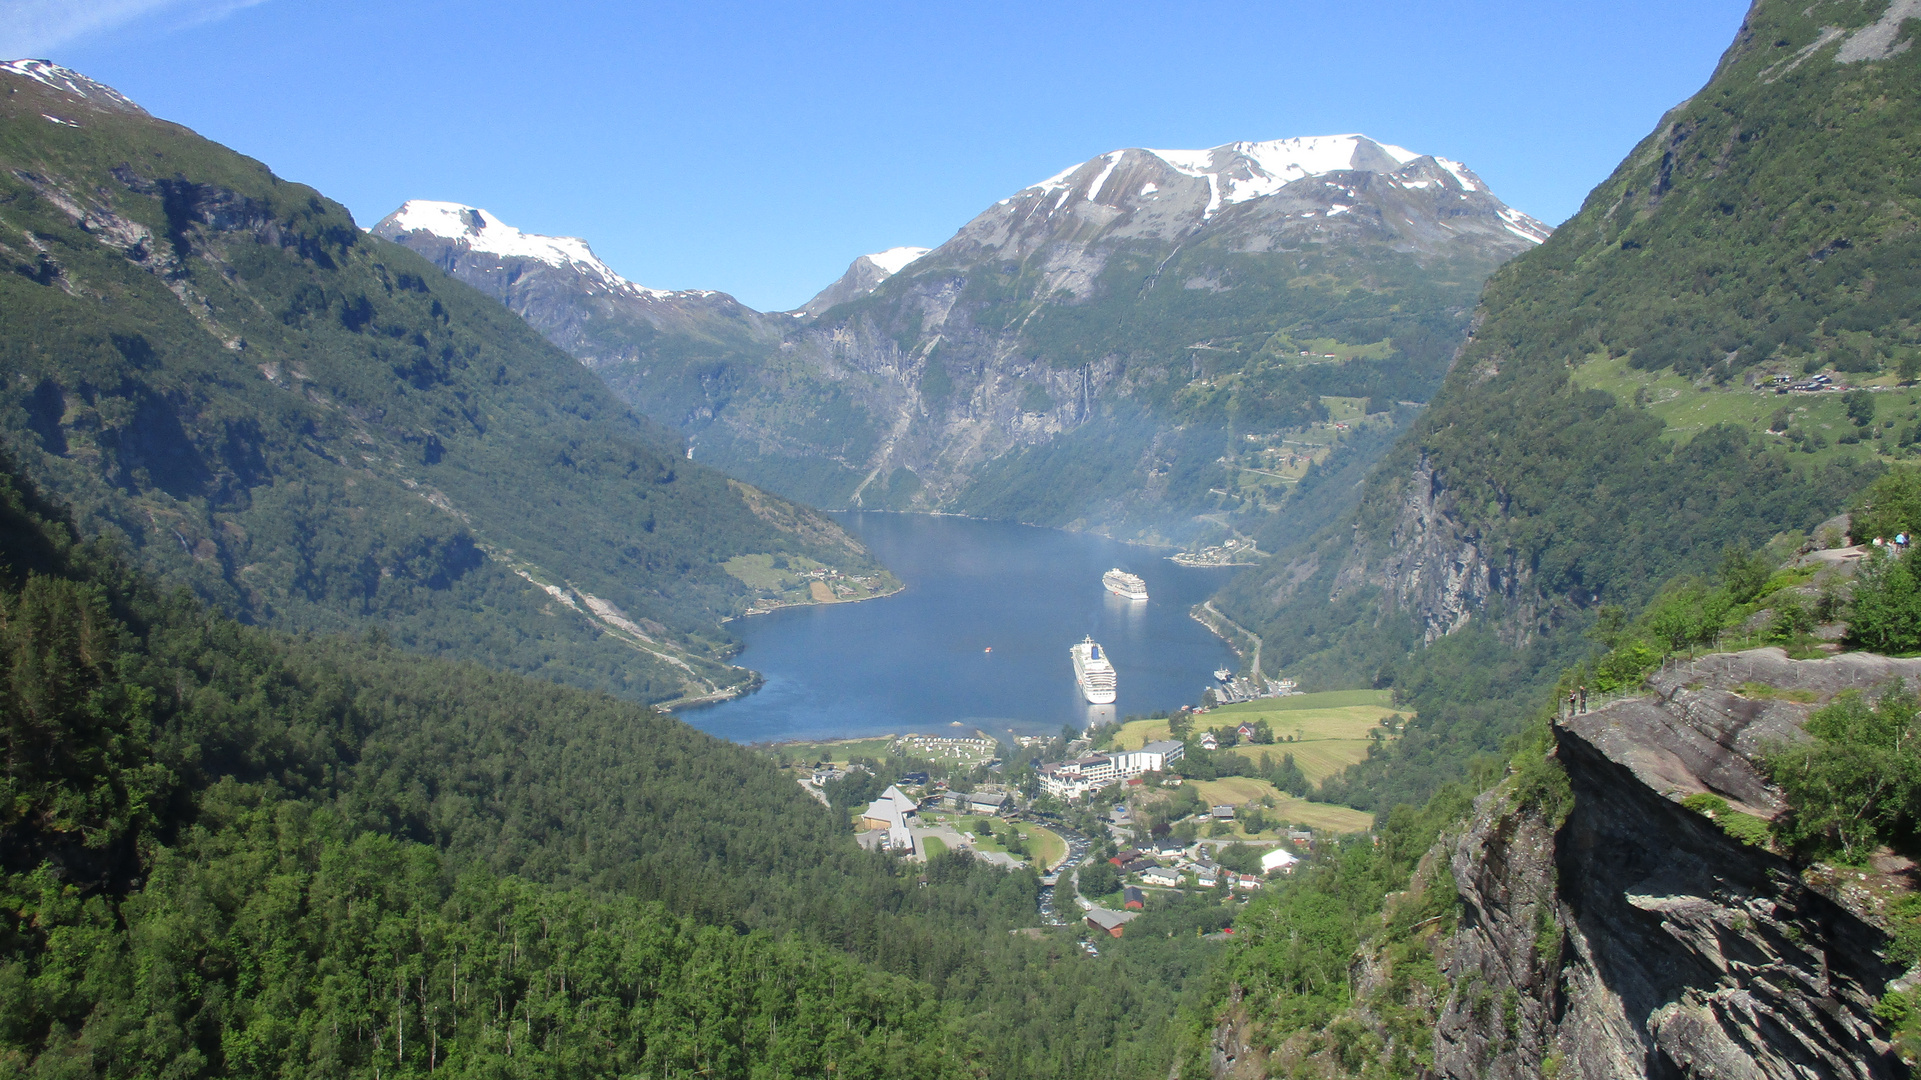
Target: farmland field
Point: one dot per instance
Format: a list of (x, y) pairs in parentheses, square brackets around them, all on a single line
[(1239, 790), (1325, 732)]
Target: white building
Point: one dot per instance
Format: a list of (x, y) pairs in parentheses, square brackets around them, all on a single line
[(1160, 875), (894, 812), (1278, 859), (1076, 777), (1154, 757)]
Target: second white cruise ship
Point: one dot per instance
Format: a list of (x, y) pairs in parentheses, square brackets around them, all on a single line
[(1093, 672), (1121, 583)]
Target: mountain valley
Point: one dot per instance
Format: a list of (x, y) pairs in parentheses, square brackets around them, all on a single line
[(342, 571)]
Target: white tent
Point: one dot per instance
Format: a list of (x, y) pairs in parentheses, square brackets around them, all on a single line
[(1277, 859)]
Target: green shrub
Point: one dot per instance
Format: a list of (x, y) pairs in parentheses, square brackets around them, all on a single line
[(1890, 505), (1884, 611), (1851, 786)]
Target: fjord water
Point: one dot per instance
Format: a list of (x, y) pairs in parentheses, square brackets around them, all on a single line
[(918, 660)]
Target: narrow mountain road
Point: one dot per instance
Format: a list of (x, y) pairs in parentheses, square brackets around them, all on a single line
[(1254, 666)]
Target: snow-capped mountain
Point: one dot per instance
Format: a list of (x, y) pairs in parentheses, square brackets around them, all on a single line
[(74, 85), (1181, 289), (471, 229), (1261, 194), (558, 284), (862, 277)]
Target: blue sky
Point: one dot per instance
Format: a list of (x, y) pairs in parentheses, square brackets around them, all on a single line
[(758, 147)]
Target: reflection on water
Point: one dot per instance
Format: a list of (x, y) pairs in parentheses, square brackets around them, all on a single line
[(919, 661)]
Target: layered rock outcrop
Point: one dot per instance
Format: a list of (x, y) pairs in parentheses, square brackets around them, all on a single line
[(1636, 938)]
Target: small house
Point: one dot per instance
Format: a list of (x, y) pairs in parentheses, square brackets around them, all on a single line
[(1162, 876), (1110, 922), (1136, 866), (986, 802), (1125, 857), (1223, 812), (1278, 859), (1133, 899), (1209, 742), (1245, 731)]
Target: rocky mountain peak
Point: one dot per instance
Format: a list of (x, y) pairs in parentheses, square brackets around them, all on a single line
[(862, 276), (1270, 195), (71, 84)]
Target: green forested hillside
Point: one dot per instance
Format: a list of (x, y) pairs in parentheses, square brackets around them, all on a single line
[(229, 852), (315, 429), (1615, 419)]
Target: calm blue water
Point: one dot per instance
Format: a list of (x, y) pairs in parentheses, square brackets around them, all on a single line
[(915, 661)]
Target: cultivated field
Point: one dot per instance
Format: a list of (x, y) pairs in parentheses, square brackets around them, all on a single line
[(1325, 732), (1321, 817)]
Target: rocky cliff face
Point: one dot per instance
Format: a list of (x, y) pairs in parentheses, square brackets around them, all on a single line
[(1636, 938)]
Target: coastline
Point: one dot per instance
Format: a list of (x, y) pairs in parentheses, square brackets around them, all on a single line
[(749, 613)]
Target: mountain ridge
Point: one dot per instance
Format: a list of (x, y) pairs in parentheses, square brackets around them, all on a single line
[(313, 429), (929, 387)]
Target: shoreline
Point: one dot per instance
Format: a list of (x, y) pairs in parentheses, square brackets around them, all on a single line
[(750, 613)]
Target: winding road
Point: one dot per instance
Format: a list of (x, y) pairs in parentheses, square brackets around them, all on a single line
[(1254, 667)]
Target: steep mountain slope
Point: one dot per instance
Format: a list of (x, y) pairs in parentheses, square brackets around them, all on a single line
[(1763, 229), (225, 848), (1098, 350), (313, 429)]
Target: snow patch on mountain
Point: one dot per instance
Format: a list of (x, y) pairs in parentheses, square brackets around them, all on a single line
[(480, 230), (894, 259), (1240, 171), (1523, 226), (70, 82), (1461, 173)]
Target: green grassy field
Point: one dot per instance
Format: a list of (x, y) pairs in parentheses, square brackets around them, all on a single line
[(1689, 409), (838, 751), (1329, 730), (1046, 846), (932, 846), (1237, 790)]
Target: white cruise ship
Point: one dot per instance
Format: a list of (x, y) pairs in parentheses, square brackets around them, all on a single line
[(1121, 583), (1094, 672)]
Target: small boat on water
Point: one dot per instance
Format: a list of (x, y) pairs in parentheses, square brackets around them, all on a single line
[(1223, 674)]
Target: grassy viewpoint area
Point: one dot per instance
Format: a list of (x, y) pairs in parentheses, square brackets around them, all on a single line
[(1325, 732)]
